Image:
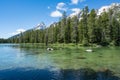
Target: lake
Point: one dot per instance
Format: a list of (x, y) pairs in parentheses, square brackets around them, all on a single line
[(33, 62)]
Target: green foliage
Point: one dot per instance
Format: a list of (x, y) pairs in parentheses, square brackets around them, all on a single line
[(74, 33), (92, 27), (68, 31), (86, 30), (4, 41), (85, 25)]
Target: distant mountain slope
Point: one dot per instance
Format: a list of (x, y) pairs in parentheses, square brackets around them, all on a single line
[(40, 26)]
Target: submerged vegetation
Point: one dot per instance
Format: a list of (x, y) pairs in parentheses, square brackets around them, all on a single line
[(69, 57)]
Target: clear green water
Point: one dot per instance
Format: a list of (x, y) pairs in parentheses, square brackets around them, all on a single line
[(37, 63)]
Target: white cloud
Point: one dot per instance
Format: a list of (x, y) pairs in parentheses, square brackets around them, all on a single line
[(56, 14), (75, 11), (61, 6), (76, 1), (18, 31)]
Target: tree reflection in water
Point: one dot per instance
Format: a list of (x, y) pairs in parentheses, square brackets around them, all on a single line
[(66, 74), (88, 74)]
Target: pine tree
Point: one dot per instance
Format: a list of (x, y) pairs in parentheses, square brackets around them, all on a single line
[(98, 33), (68, 31), (92, 27), (85, 40), (75, 34), (105, 28), (63, 26)]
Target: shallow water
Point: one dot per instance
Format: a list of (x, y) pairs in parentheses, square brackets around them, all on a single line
[(21, 62)]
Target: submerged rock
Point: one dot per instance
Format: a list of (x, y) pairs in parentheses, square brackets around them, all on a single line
[(89, 50), (81, 57), (50, 49)]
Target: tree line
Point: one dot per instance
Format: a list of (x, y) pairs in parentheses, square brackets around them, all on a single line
[(87, 29), (3, 40)]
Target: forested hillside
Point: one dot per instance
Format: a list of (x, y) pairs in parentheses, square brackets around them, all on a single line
[(89, 28)]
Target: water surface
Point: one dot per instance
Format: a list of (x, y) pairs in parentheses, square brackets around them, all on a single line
[(27, 62)]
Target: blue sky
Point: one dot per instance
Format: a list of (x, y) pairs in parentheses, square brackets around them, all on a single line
[(16, 15)]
